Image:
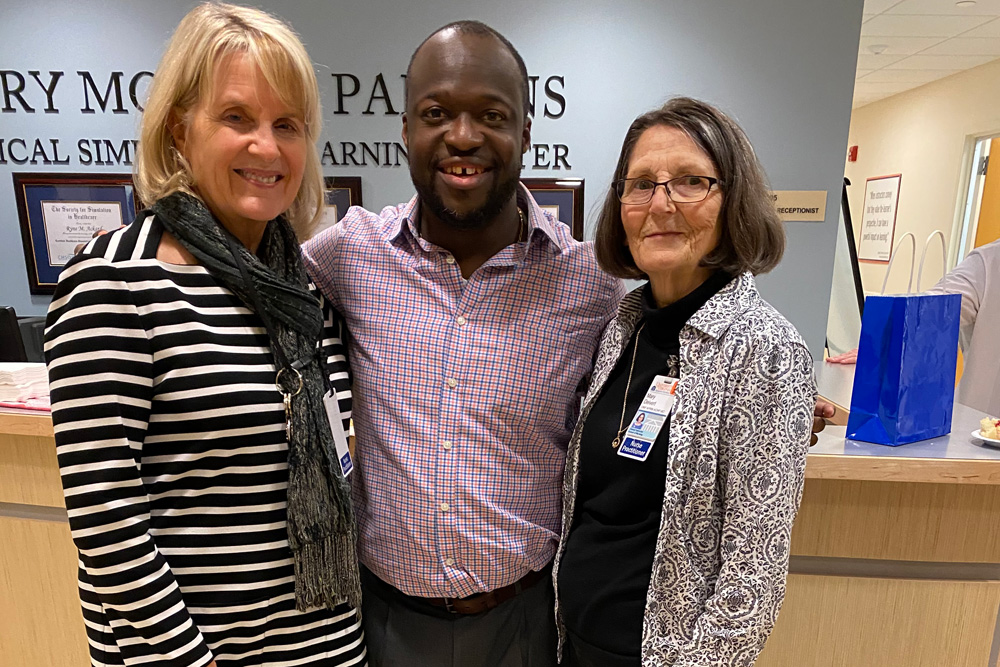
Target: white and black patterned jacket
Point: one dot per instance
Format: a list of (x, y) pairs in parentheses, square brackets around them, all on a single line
[(739, 433)]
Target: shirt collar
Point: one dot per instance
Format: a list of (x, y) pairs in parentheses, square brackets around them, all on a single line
[(713, 318), (537, 222), (672, 318), (730, 302), (406, 222)]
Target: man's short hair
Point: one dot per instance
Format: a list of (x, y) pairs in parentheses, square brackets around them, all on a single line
[(752, 236), (469, 27)]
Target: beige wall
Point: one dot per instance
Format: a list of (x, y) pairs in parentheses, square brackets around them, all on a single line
[(922, 134)]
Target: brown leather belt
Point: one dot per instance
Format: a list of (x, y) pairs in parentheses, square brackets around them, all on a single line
[(480, 602)]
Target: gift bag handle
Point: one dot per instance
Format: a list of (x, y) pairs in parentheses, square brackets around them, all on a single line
[(923, 255), (892, 258)]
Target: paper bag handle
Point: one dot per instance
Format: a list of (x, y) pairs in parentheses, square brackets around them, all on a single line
[(923, 255), (892, 258)]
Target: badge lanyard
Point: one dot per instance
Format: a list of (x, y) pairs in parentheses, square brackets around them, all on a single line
[(284, 366)]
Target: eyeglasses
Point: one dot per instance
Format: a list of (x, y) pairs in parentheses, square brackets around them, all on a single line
[(680, 190)]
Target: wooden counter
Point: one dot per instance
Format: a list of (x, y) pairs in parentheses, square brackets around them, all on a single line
[(896, 557), (40, 620), (895, 551)]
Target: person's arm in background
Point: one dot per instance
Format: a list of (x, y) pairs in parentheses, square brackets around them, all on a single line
[(969, 280)]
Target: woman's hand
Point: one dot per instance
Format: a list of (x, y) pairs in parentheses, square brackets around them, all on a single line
[(847, 358)]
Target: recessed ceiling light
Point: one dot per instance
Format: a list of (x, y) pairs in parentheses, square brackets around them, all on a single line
[(878, 49), (965, 4)]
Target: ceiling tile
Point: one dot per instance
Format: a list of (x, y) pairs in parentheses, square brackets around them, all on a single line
[(965, 46), (944, 7), (868, 61), (991, 29), (940, 62), (887, 88), (905, 46), (862, 100), (878, 6), (892, 25), (917, 77)]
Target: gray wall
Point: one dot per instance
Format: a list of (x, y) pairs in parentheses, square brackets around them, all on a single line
[(783, 68)]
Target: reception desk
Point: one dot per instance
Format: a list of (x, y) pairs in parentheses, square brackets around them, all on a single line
[(40, 620), (896, 552)]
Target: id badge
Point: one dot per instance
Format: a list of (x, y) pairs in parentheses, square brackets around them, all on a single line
[(339, 436), (649, 419)]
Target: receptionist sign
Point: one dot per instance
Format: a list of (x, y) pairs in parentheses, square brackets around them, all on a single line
[(89, 93)]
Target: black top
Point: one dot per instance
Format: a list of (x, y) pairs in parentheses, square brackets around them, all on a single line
[(606, 567)]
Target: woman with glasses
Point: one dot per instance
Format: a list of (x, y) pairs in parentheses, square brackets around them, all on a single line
[(676, 532)]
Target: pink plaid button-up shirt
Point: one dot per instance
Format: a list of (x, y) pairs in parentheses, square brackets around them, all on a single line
[(466, 393)]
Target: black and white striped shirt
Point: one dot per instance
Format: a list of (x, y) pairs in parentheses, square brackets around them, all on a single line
[(171, 446)]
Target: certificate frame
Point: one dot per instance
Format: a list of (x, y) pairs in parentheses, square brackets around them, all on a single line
[(341, 193), (46, 206), (563, 197)]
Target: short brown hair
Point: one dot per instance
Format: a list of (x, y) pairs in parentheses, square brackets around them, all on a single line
[(752, 236), (205, 36)]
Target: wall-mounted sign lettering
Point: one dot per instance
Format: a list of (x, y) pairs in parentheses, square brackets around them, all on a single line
[(800, 205), (878, 220), (119, 92)]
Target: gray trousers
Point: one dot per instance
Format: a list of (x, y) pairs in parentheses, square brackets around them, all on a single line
[(402, 631)]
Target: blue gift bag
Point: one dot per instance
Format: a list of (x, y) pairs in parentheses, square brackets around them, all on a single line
[(904, 382)]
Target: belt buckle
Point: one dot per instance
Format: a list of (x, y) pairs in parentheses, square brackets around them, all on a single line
[(448, 606)]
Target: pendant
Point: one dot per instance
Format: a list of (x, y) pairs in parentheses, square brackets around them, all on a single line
[(614, 443)]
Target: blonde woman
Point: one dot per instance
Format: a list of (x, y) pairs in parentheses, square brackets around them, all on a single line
[(188, 360)]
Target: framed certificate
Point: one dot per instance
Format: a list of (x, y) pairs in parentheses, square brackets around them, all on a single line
[(562, 197), (57, 212), (342, 192)]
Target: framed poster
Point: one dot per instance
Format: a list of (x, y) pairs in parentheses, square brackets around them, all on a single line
[(342, 192), (562, 197), (58, 212), (878, 219)]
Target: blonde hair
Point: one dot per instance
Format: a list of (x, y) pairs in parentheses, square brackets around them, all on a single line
[(203, 39)]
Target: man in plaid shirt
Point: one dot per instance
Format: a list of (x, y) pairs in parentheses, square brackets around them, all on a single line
[(474, 319)]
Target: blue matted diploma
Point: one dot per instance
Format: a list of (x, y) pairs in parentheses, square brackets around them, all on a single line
[(58, 212)]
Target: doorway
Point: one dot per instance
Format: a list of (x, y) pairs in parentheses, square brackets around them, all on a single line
[(980, 220)]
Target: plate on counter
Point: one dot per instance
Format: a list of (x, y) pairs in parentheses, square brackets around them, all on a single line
[(978, 434)]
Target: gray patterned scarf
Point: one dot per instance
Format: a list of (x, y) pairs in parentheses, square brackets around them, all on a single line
[(320, 519)]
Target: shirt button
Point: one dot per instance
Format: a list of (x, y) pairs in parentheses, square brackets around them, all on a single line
[(449, 259), (446, 444), (444, 507), (449, 561), (461, 321), (452, 382)]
